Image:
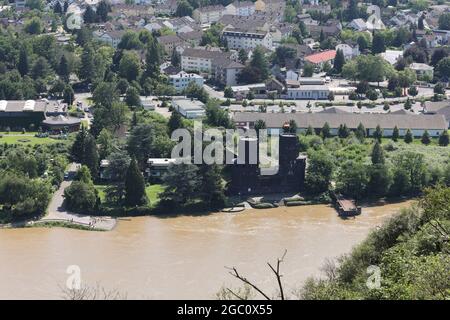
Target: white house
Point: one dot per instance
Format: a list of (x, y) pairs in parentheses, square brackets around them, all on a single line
[(182, 79), (110, 37), (241, 8), (247, 39), (350, 51), (422, 69), (188, 108), (208, 14)]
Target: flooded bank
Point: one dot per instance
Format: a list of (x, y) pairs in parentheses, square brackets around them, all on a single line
[(182, 257)]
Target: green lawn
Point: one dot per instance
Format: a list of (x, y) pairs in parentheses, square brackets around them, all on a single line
[(152, 192), (25, 139)]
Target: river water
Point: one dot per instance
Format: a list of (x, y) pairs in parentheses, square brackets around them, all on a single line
[(182, 257)]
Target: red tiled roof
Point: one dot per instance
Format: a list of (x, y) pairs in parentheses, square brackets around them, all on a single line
[(321, 56)]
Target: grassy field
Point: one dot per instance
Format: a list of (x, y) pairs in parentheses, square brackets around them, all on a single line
[(152, 192), (27, 138)]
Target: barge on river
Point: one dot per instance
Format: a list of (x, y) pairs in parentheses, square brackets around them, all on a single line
[(346, 207)]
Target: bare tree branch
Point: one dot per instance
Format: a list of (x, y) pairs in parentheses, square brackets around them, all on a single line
[(236, 274)]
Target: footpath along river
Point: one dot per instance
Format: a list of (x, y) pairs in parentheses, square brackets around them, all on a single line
[(182, 257)]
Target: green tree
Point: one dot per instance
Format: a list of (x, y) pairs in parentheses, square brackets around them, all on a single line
[(425, 138), (81, 197), (325, 132), (308, 70), (77, 150), (444, 139), (130, 66), (175, 122), (132, 98), (243, 56), (153, 60), (408, 136), (63, 69), (259, 62), (181, 183), (68, 94), (377, 154), (23, 65), (87, 67), (33, 26), (103, 8), (319, 173), (184, 9), (380, 180), (360, 132), (90, 158), (378, 43), (134, 186), (353, 179), (444, 21), (378, 133), (395, 134), (175, 59), (212, 190), (339, 61)]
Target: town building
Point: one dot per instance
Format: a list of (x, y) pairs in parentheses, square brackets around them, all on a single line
[(349, 49), (23, 113), (241, 8), (208, 14), (434, 124), (112, 38), (308, 92), (189, 108), (422, 70), (60, 123), (319, 59), (247, 39), (181, 80), (170, 43), (156, 167)]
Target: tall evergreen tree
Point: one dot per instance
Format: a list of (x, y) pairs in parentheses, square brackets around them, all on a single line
[(378, 134), (211, 187), (426, 138), (339, 61), (408, 136), (175, 122), (153, 59), (325, 132), (377, 154), (395, 134), (57, 8), (77, 150), (134, 186), (103, 8), (91, 158), (175, 59), (444, 139), (89, 15), (63, 69), (87, 68), (360, 132), (23, 65), (378, 43)]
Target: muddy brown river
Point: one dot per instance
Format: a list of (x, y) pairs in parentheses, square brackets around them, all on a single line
[(181, 257)]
